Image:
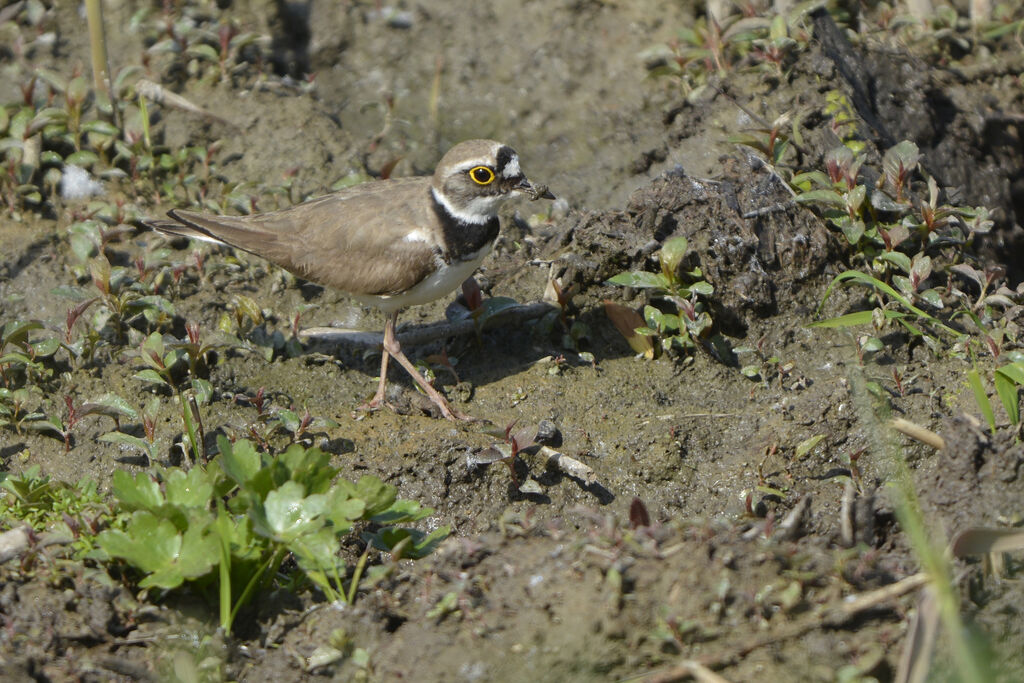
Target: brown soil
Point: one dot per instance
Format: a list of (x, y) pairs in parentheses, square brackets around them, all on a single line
[(553, 584)]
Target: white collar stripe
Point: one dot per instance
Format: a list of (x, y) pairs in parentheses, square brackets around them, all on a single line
[(464, 216)]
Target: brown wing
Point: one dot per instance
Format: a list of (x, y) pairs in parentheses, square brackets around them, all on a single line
[(353, 240)]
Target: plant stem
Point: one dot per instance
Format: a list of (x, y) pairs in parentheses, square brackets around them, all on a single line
[(356, 576)]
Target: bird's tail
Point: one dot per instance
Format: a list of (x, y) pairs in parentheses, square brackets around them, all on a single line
[(232, 231)]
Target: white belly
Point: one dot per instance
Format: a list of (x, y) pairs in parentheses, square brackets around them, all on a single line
[(439, 283)]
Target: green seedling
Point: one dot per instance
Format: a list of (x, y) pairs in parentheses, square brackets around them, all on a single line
[(1007, 379), (20, 356), (772, 142), (682, 329), (227, 526), (124, 301), (161, 357), (289, 422), (910, 317), (245, 328), (146, 445), (778, 48), (768, 366), (49, 506)]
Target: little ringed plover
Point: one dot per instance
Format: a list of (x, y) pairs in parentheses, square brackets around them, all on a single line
[(388, 243)]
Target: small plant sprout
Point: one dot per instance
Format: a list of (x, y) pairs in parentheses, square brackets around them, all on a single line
[(772, 142), (683, 329), (898, 164)]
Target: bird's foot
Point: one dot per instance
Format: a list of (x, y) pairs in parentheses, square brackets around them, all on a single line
[(375, 404), (454, 414)]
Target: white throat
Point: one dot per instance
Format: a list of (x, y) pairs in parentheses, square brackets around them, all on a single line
[(477, 212)]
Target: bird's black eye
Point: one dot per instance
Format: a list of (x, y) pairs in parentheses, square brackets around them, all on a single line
[(481, 175)]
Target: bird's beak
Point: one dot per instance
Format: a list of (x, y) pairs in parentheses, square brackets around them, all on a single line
[(535, 192)]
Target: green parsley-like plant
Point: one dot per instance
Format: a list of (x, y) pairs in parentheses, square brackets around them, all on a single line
[(228, 526)]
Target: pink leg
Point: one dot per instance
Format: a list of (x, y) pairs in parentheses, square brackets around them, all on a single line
[(392, 347), (378, 399)]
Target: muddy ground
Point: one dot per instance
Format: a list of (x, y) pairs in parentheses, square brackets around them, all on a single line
[(552, 580)]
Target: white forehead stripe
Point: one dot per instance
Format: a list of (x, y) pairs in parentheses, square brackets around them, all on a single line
[(473, 163), (511, 169)]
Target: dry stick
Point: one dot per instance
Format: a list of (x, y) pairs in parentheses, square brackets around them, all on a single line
[(159, 94), (101, 77), (569, 465), (97, 44), (916, 431), (427, 333)]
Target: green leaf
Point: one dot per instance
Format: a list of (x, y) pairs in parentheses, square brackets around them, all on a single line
[(848, 320), (703, 288), (802, 181), (853, 230), (110, 405), (191, 489), (1006, 389), (100, 127), (981, 398), (865, 279), (128, 440), (807, 445), (150, 375), (52, 425), (871, 345), (904, 284), (933, 298), (287, 513), (904, 154), (138, 492), (203, 390), (401, 512), (204, 51), (46, 347), (147, 542), (672, 253), (377, 495), (493, 306), (16, 331), (827, 197), (82, 158), (1013, 371), (898, 259), (751, 371), (317, 555), (641, 280), (240, 461), (341, 510), (156, 547), (419, 545)]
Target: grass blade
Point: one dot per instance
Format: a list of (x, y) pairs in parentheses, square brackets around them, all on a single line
[(981, 398)]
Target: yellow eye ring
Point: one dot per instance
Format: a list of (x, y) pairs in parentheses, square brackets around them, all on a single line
[(481, 175)]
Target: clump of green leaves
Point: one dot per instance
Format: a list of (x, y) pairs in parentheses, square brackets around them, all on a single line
[(1008, 379), (685, 291), (767, 44), (227, 527), (26, 369), (897, 235), (75, 511)]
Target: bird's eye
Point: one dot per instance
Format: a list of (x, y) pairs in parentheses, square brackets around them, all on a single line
[(481, 175)]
